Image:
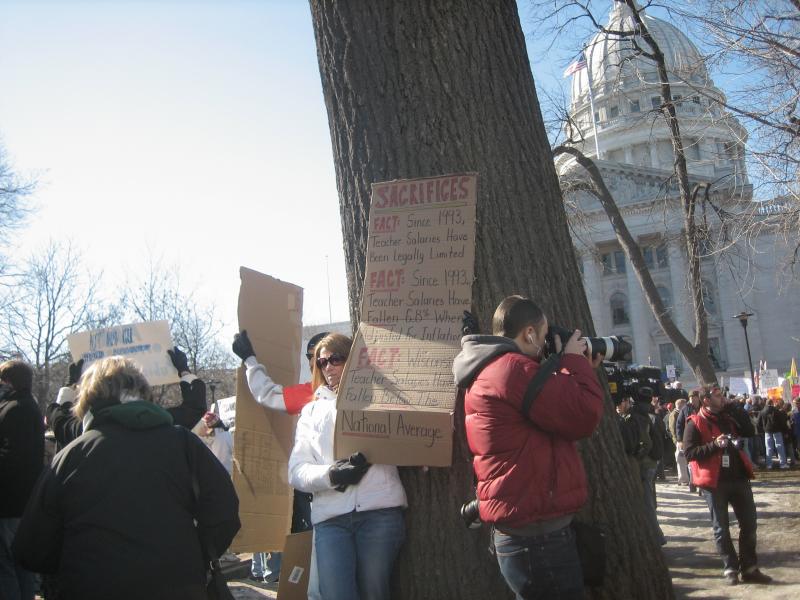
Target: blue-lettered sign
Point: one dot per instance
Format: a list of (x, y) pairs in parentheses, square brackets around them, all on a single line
[(146, 344)]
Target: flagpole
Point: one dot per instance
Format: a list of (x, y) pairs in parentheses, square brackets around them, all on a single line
[(591, 102)]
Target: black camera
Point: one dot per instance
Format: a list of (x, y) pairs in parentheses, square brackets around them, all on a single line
[(734, 441), (613, 348), (623, 383), (470, 514)]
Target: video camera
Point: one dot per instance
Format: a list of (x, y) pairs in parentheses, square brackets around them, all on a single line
[(626, 382)]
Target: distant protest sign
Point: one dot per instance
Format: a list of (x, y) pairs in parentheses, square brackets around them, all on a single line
[(740, 385), (226, 409), (396, 400), (146, 344), (769, 379)]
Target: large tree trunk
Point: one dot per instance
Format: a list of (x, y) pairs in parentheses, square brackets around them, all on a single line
[(421, 88)]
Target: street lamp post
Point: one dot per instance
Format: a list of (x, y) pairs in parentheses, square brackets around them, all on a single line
[(743, 316)]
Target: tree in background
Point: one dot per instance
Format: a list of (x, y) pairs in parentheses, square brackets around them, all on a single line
[(419, 89), (13, 208), (716, 220), (758, 41), (49, 298), (159, 295)]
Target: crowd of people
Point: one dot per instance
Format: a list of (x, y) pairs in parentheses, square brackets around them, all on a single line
[(138, 500)]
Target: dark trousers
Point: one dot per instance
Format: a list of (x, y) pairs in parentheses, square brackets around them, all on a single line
[(739, 495), (545, 567), (301, 512)]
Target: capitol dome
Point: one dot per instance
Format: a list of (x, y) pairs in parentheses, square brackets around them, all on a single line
[(620, 121), (613, 58)]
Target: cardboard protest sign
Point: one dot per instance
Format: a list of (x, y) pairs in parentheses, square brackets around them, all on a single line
[(293, 584), (270, 310), (396, 399), (769, 379), (226, 409), (740, 385), (146, 344)]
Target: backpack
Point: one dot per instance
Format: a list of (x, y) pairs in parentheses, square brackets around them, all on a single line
[(644, 441)]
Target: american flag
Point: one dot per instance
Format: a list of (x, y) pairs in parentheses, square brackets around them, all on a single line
[(575, 67)]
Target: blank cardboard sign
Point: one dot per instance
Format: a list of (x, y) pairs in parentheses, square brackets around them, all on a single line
[(271, 312)]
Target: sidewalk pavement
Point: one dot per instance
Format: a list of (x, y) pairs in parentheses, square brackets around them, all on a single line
[(694, 564)]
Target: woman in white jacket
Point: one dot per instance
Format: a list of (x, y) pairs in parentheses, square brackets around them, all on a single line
[(357, 508)]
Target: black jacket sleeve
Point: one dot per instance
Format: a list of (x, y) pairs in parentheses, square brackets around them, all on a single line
[(680, 423), (693, 446), (37, 545), (66, 426), (193, 407), (629, 435), (657, 435), (217, 506)]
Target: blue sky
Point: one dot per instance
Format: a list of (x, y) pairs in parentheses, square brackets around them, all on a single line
[(194, 131)]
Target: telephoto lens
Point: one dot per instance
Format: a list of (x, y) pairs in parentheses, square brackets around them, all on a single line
[(613, 348)]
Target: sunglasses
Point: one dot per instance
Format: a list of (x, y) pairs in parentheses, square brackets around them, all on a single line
[(309, 355), (334, 360)]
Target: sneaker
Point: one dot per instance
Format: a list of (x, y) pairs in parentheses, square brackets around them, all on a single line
[(272, 578), (785, 467), (732, 578), (756, 576)]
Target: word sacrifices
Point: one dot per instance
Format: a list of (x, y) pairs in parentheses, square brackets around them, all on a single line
[(397, 396)]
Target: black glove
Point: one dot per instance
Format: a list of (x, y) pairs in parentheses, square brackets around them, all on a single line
[(179, 360), (469, 324), (74, 372), (348, 471), (241, 345)]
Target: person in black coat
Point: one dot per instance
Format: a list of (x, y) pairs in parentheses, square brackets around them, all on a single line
[(114, 516), (21, 461)]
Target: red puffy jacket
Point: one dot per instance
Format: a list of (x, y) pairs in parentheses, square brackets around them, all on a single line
[(529, 470)]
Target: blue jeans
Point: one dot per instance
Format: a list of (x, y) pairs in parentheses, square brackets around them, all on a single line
[(543, 567), (774, 442), (15, 582), (356, 552), (266, 564), (739, 495)]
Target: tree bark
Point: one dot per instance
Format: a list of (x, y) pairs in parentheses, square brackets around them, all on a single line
[(422, 88)]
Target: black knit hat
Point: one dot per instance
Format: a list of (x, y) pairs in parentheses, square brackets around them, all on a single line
[(312, 343), (645, 394)]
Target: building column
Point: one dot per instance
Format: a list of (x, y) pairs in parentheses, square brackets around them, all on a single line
[(682, 308), (594, 290), (640, 318), (729, 305), (629, 154)]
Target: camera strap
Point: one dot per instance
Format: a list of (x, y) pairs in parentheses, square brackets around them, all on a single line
[(546, 368)]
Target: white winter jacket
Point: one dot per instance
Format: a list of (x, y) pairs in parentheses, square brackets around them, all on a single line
[(312, 457)]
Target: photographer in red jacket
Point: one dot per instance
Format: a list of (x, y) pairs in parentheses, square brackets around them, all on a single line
[(530, 477), (714, 446)]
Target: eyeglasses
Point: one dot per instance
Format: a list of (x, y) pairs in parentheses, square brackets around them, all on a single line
[(334, 360)]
